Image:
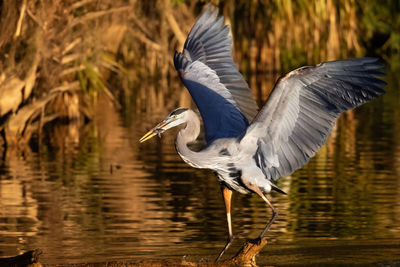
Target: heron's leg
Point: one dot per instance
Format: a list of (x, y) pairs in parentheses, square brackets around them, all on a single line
[(227, 195), (273, 218), (257, 190)]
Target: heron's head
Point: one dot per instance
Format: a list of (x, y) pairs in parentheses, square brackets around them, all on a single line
[(175, 118)]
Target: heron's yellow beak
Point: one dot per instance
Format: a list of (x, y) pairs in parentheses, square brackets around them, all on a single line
[(171, 121), (147, 136), (158, 129)]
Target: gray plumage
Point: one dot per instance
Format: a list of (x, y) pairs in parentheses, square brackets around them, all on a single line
[(247, 150), (209, 43), (302, 109), (207, 69)]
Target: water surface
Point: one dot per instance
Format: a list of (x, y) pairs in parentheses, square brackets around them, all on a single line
[(100, 195)]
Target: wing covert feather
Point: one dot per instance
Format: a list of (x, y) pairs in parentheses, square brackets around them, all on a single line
[(208, 43), (302, 109)]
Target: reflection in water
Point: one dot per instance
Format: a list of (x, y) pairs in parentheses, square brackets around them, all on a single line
[(100, 195)]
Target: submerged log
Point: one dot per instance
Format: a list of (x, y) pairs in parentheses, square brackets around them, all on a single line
[(247, 254), (244, 257), (30, 258)]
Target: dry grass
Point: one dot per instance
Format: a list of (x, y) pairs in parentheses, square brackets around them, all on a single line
[(110, 47)]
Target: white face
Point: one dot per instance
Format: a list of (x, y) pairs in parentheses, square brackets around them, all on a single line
[(173, 121), (175, 118)]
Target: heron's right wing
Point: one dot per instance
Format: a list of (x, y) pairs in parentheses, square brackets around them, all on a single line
[(207, 69), (302, 109)]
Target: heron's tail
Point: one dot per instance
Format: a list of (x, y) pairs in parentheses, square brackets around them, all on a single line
[(277, 189)]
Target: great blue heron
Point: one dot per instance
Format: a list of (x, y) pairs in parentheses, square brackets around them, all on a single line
[(250, 149)]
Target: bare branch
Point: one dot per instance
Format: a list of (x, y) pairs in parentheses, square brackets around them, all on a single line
[(147, 41), (80, 4), (96, 14), (71, 45), (176, 30), (21, 17)]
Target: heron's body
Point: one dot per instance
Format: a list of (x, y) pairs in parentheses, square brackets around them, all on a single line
[(226, 158), (249, 149)]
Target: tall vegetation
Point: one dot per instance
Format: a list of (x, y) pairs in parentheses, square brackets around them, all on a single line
[(281, 34), (52, 53), (58, 57)]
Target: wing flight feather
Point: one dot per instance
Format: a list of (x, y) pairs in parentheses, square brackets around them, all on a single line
[(207, 69), (302, 109)]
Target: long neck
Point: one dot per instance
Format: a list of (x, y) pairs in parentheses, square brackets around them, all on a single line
[(187, 135)]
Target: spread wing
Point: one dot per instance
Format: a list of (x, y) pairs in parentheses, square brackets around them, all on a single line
[(302, 109), (207, 70)]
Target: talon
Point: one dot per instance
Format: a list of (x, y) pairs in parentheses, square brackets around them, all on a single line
[(228, 244), (256, 241)]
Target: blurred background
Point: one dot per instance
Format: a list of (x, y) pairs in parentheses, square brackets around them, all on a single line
[(82, 80)]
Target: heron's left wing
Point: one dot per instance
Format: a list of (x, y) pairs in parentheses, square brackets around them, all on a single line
[(207, 69), (302, 109)]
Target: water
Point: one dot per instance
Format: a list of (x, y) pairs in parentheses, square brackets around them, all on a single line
[(97, 194)]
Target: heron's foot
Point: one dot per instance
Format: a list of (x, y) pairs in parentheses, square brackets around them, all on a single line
[(227, 245), (256, 241)]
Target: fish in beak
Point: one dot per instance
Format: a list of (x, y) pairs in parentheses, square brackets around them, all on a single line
[(175, 118), (157, 130)]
